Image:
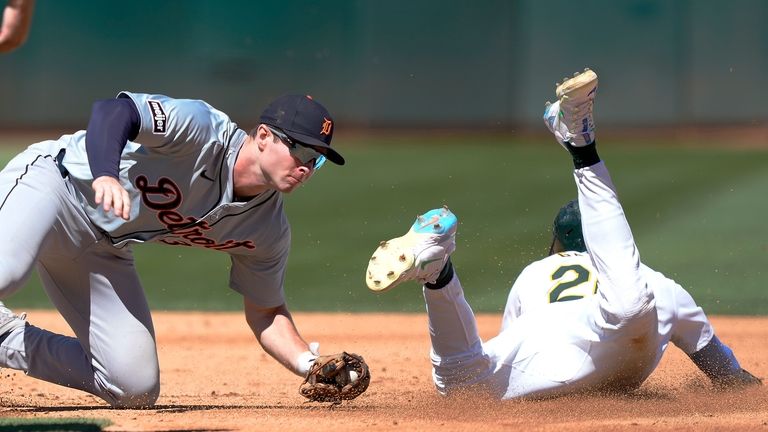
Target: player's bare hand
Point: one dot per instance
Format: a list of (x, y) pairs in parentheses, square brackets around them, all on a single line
[(112, 196)]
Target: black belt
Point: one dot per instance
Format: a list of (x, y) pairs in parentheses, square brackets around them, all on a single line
[(59, 162)]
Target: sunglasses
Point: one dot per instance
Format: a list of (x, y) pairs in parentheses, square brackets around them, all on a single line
[(300, 151)]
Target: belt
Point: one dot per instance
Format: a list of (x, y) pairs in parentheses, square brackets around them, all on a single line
[(59, 163)]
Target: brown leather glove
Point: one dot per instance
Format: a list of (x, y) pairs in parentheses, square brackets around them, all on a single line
[(336, 377)]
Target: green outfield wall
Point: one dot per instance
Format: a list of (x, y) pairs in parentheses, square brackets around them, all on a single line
[(456, 63)]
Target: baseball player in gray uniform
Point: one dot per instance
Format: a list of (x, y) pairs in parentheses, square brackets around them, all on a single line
[(150, 168), (610, 340)]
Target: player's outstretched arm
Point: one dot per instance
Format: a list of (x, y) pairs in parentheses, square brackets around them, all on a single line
[(277, 334), (327, 378)]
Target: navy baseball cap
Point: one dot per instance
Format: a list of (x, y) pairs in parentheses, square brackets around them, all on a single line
[(305, 121)]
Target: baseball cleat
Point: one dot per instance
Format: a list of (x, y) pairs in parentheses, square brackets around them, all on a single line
[(570, 118), (418, 255), (10, 321)]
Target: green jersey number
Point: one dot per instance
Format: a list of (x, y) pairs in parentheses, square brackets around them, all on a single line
[(558, 292)]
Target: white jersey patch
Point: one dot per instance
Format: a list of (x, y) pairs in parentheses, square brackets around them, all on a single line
[(159, 118)]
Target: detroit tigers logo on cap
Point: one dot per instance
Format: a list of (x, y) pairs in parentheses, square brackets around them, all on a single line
[(327, 125), (159, 119), (305, 121)]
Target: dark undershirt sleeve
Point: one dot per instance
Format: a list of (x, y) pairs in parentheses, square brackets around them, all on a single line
[(113, 122), (716, 360)]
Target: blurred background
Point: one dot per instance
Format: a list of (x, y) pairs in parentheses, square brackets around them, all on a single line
[(439, 102), (487, 63)]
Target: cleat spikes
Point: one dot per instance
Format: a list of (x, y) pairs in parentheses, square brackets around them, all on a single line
[(419, 255)]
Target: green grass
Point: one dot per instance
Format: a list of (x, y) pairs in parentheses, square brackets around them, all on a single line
[(53, 424), (697, 215)]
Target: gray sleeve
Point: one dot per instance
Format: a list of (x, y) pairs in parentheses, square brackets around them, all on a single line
[(261, 281), (171, 125)]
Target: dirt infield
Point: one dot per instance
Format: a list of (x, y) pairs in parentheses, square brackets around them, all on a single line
[(214, 376)]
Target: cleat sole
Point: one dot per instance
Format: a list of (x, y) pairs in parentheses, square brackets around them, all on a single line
[(408, 257), (389, 262), (577, 81)]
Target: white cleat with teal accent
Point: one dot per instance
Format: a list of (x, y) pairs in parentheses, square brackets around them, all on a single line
[(418, 255)]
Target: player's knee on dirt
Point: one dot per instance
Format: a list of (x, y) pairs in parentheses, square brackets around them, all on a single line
[(141, 390), (140, 399), (129, 374)]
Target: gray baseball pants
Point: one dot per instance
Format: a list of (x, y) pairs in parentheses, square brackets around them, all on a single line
[(93, 285)]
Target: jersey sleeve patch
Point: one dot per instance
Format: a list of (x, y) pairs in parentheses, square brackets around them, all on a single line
[(159, 118)]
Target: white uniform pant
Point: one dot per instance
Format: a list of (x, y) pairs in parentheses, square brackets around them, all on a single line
[(608, 341), (93, 285)]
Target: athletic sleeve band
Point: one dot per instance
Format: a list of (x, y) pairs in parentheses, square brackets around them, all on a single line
[(585, 156), (113, 122)]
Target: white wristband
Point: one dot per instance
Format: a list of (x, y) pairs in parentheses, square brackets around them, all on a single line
[(304, 362), (314, 347)]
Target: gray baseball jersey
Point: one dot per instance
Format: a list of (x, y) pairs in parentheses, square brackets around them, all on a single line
[(179, 175)]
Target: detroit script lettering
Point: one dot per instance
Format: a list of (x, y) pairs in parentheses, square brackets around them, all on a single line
[(164, 198)]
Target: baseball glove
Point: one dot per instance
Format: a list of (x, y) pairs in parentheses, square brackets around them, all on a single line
[(336, 377)]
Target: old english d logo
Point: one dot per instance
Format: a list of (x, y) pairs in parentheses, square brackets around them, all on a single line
[(327, 125)]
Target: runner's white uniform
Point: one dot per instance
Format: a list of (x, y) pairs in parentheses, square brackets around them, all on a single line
[(611, 340), (570, 276)]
